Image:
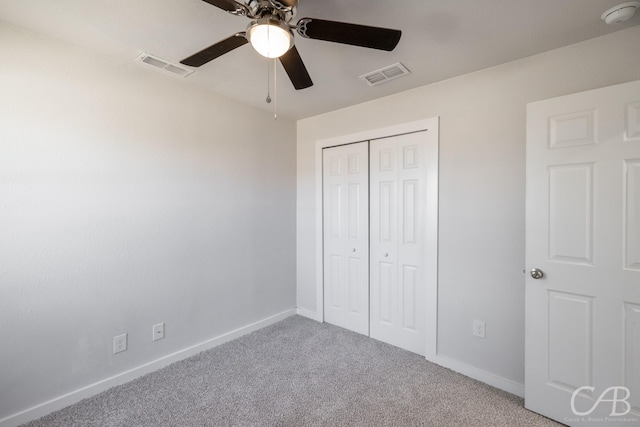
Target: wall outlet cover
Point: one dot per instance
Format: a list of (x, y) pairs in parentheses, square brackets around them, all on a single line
[(158, 331), (479, 328), (119, 343)]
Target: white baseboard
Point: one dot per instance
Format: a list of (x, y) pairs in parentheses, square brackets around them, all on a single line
[(455, 365), (100, 386), (309, 314), (63, 401), (479, 374)]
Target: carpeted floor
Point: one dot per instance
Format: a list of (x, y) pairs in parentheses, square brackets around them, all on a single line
[(300, 373)]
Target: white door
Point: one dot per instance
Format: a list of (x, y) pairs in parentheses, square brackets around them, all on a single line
[(583, 233), (398, 233), (346, 236)]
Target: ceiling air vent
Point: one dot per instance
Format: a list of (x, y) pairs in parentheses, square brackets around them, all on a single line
[(385, 74), (167, 66)]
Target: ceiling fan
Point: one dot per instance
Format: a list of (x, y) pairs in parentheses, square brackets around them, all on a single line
[(270, 33)]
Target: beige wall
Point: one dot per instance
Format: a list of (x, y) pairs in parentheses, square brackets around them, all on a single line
[(482, 186)]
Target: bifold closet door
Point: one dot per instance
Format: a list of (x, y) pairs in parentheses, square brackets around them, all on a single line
[(398, 220), (346, 236)]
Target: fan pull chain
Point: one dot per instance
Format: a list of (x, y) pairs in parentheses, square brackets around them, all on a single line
[(275, 89), (268, 84), (275, 77)]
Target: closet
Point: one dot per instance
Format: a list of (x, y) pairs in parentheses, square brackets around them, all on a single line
[(374, 238)]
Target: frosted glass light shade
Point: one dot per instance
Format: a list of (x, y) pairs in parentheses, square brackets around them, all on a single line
[(270, 38)]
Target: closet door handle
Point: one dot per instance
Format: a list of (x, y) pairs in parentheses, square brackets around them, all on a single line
[(386, 254)]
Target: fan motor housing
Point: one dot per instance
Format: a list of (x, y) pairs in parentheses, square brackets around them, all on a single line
[(261, 8)]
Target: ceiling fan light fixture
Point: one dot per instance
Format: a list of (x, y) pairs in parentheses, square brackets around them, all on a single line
[(269, 37)]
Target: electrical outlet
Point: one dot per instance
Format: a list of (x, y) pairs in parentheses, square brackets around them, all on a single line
[(479, 329), (119, 343), (158, 331)]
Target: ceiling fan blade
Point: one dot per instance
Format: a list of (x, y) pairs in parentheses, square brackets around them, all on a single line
[(293, 65), (228, 5), (288, 3), (353, 34), (212, 52)]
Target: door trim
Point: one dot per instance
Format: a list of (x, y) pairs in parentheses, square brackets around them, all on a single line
[(431, 126)]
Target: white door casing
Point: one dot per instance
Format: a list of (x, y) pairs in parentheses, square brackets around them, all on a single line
[(346, 236), (398, 177), (583, 232)]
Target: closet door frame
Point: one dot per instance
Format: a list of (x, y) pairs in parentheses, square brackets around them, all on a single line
[(431, 143)]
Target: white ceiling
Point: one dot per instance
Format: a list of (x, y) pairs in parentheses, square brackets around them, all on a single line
[(441, 39)]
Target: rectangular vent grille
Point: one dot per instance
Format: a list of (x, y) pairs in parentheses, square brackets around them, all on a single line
[(167, 66), (385, 74)]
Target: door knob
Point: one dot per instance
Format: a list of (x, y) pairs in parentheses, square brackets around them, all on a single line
[(386, 254), (353, 250), (536, 273)]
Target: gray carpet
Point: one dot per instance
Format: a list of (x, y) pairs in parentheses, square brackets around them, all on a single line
[(300, 373)]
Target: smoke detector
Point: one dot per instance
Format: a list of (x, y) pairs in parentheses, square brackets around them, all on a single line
[(621, 12)]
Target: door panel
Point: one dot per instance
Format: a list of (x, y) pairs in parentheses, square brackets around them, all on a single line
[(571, 213), (570, 320), (346, 236), (632, 214), (335, 209), (632, 122), (387, 211), (383, 292), (583, 174), (355, 284), (632, 356), (332, 285), (398, 201), (409, 302)]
